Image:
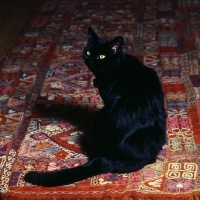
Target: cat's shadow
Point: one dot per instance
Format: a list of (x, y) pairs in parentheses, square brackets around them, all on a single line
[(82, 117)]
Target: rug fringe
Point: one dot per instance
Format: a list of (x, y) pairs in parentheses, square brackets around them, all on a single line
[(129, 196)]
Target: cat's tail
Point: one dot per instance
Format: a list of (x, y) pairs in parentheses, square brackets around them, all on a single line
[(66, 176)]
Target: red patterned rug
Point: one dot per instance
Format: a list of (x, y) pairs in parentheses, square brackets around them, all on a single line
[(47, 101)]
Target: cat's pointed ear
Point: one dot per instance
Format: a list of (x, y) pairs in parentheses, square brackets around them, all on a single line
[(116, 44), (91, 34)]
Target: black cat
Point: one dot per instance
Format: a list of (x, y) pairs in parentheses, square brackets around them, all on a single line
[(130, 130)]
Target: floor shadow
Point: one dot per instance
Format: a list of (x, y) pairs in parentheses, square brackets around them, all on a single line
[(82, 117)]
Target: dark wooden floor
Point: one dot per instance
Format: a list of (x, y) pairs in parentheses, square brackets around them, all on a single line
[(14, 14)]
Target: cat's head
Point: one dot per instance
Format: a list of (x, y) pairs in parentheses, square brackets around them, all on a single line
[(102, 54)]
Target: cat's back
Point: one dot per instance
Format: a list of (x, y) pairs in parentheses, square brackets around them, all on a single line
[(134, 74)]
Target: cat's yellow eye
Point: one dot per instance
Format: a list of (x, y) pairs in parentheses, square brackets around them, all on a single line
[(88, 53), (102, 56)]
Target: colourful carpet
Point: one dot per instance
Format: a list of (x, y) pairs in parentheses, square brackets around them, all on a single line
[(47, 101)]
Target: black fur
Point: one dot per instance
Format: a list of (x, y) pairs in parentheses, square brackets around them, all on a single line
[(130, 130)]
